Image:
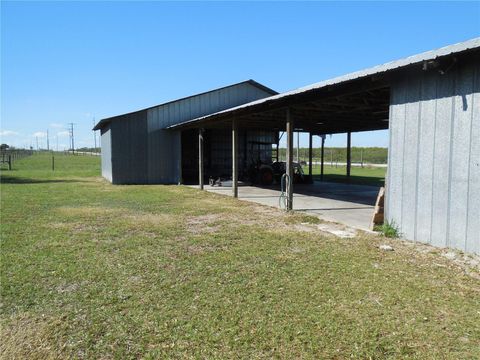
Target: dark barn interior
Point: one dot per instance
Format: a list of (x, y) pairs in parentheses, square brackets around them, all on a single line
[(357, 108)]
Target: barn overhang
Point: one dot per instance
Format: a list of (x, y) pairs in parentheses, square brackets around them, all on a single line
[(354, 102)]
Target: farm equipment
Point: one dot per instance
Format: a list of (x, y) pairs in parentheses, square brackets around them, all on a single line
[(267, 174)]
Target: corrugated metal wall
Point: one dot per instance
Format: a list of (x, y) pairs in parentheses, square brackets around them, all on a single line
[(164, 146), (129, 149), (106, 144), (433, 189)]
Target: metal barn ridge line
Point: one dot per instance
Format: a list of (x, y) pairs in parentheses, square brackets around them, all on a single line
[(105, 121)]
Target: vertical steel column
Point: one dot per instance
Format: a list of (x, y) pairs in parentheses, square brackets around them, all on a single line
[(289, 165), (310, 154), (179, 163), (323, 157), (235, 158), (349, 153), (200, 158), (298, 146)]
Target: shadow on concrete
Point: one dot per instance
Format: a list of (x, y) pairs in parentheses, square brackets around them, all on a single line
[(354, 179), (344, 208), (358, 194)]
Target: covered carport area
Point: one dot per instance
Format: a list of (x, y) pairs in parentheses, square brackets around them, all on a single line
[(353, 103)]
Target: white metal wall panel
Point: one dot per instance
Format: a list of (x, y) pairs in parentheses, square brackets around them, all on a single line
[(434, 157), (106, 144)]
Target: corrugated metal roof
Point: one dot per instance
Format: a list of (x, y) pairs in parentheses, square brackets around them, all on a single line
[(104, 121), (379, 69)]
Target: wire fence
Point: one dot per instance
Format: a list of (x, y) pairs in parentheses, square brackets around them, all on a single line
[(8, 157)]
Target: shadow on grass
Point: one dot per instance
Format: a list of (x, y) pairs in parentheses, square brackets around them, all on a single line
[(6, 179), (359, 180)]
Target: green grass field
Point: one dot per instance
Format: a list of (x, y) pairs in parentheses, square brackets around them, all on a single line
[(367, 175), (92, 270)]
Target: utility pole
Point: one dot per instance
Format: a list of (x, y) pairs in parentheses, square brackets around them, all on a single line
[(48, 142), (36, 138), (72, 138), (56, 139), (94, 137)]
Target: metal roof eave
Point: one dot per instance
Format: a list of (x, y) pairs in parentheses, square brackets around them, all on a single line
[(376, 70)]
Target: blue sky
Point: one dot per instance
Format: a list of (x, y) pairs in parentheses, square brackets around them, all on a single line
[(67, 62)]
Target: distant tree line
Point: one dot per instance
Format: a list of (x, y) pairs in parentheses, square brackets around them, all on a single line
[(369, 155), (88, 149)]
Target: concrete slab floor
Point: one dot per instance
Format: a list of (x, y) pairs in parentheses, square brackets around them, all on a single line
[(348, 204)]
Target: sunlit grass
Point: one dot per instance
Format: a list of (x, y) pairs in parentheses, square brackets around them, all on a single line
[(92, 270)]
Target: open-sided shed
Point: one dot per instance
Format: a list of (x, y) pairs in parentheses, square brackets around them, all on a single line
[(430, 104)]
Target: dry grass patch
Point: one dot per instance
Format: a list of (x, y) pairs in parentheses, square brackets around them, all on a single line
[(203, 223), (88, 211), (25, 336)]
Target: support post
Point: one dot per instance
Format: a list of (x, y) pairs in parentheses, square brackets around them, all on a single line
[(200, 158), (235, 158), (310, 155), (349, 153), (323, 157), (289, 162), (298, 146)]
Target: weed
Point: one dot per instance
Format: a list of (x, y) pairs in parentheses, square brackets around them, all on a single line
[(389, 229)]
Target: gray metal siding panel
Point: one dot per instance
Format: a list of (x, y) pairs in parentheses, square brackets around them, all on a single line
[(441, 162), (204, 104), (164, 150), (106, 144), (409, 183), (426, 148), (434, 171), (472, 243), (129, 149), (461, 124), (164, 146), (395, 166)]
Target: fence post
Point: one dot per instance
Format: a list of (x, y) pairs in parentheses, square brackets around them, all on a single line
[(9, 162), (53, 163)]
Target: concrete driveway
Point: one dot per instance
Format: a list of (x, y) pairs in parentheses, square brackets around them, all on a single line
[(351, 205)]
